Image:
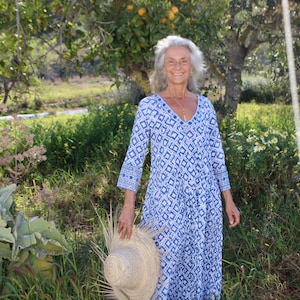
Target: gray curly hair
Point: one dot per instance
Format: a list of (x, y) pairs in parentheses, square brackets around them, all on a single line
[(158, 80)]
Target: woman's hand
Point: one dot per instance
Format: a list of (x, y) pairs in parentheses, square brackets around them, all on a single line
[(232, 212), (126, 218), (125, 223)]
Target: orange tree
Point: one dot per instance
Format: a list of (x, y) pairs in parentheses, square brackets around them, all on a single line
[(136, 26), (111, 35)]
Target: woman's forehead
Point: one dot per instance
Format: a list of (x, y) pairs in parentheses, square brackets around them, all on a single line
[(177, 51)]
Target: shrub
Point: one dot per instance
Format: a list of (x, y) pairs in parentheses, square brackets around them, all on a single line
[(19, 155), (263, 90), (102, 132), (257, 158)]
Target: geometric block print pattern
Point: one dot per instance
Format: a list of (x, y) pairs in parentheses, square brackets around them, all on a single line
[(183, 201)]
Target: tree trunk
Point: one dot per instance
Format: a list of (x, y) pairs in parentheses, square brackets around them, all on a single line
[(235, 59), (7, 88)]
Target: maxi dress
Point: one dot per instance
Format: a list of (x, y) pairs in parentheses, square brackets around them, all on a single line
[(183, 200)]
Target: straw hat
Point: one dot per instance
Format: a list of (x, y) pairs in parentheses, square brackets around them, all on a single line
[(131, 268)]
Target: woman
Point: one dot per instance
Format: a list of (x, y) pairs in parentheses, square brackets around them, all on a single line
[(183, 199)]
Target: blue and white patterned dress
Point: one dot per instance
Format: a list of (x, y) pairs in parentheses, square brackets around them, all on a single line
[(183, 200)]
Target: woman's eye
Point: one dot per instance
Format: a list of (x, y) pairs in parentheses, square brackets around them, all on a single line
[(171, 63)]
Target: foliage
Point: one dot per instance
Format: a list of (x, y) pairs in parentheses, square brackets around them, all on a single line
[(27, 243), (19, 153), (258, 89), (104, 130), (257, 156), (261, 256), (139, 25), (251, 24), (118, 37), (102, 36)]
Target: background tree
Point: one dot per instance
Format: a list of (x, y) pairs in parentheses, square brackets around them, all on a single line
[(136, 26), (250, 24), (111, 35), (117, 37)]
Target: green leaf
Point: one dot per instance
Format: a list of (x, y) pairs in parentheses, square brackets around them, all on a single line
[(6, 235), (6, 201), (39, 235), (5, 251)]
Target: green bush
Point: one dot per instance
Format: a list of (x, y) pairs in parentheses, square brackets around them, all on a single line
[(263, 90), (101, 133), (257, 158)]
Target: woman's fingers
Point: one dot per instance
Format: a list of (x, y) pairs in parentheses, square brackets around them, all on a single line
[(234, 217), (125, 230)]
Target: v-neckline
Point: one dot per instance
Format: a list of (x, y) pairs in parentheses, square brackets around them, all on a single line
[(174, 113)]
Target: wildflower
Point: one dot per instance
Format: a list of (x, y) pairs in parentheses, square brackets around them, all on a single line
[(249, 139), (259, 148), (274, 140)]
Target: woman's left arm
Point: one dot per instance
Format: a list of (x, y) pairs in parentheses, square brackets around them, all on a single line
[(232, 212)]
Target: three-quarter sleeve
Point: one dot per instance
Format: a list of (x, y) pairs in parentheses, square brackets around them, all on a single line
[(132, 167), (217, 153)]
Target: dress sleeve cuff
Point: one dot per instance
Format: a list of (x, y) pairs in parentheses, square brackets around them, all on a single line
[(129, 178), (223, 181)]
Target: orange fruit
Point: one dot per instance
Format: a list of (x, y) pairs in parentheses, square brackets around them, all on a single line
[(130, 7), (163, 21), (171, 15), (142, 11), (173, 26), (174, 10)]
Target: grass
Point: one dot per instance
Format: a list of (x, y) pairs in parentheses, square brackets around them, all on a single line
[(58, 95), (277, 116), (261, 257), (72, 90)]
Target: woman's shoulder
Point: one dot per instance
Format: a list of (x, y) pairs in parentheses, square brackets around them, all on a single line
[(149, 101), (204, 101)]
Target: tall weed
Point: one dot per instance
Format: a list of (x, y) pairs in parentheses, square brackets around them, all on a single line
[(261, 256)]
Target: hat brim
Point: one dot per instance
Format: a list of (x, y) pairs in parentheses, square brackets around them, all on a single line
[(139, 254)]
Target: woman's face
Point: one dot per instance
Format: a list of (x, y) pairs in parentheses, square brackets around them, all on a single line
[(177, 65)]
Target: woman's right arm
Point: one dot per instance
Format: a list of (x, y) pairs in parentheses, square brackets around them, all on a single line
[(132, 168), (126, 218)]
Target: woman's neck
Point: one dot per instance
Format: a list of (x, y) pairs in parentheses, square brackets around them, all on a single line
[(177, 92)]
